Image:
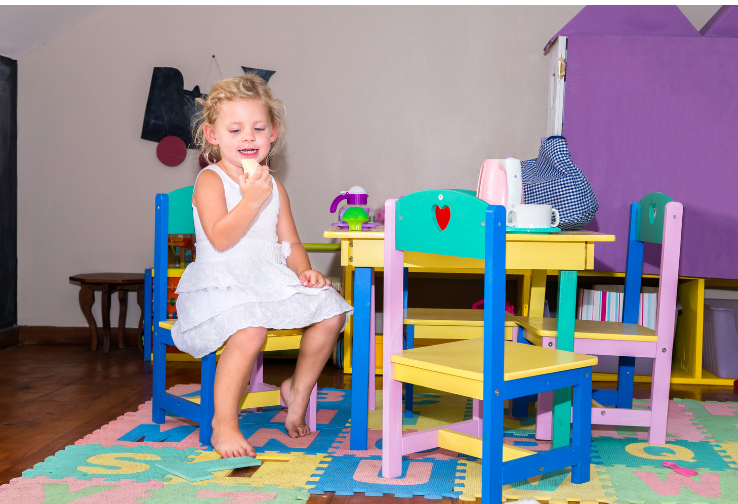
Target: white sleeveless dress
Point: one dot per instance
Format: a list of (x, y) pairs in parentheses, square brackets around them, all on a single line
[(248, 285)]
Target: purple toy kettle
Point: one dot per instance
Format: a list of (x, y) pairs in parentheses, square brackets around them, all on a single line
[(355, 197)]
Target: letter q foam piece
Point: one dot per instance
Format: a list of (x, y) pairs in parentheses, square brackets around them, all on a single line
[(249, 166), (199, 471)]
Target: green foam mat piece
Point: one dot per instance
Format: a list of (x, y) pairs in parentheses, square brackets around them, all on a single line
[(199, 471)]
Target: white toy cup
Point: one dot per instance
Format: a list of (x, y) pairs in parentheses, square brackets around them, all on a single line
[(532, 216)]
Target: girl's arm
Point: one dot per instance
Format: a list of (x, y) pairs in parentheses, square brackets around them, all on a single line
[(298, 260), (224, 228)]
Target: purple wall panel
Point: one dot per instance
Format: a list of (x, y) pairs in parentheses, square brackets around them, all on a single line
[(645, 114), (654, 20), (723, 24)]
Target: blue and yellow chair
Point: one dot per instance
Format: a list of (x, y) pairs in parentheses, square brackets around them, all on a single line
[(489, 368), (174, 216)]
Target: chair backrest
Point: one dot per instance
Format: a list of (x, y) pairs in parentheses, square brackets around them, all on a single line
[(655, 218), (447, 222), (465, 227), (173, 216)]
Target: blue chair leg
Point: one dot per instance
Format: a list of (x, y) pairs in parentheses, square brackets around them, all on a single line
[(159, 381), (409, 343), (207, 404), (148, 313), (626, 377), (492, 449), (520, 404), (582, 425)]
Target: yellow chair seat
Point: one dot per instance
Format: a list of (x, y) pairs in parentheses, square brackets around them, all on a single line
[(457, 367), (283, 339), (452, 324), (450, 317), (537, 328)]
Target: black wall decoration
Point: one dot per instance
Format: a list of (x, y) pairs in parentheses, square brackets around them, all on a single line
[(170, 107), (8, 192)]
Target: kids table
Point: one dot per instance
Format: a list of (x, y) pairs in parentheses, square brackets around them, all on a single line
[(107, 284), (363, 251)]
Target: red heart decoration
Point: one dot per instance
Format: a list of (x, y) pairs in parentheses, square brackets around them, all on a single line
[(443, 215)]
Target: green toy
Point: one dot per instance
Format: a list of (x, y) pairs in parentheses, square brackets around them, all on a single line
[(356, 217)]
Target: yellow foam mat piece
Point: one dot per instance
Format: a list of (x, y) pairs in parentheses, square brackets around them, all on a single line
[(469, 481)]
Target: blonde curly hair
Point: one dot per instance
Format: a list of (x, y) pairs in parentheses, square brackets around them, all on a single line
[(244, 87)]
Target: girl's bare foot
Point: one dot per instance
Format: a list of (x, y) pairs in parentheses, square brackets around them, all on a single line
[(296, 409), (229, 442)]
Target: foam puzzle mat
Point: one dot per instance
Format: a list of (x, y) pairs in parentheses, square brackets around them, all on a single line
[(121, 463)]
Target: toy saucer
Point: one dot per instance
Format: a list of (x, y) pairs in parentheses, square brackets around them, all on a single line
[(364, 226), (514, 230)]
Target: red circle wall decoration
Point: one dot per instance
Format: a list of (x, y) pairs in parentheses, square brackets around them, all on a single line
[(171, 151)]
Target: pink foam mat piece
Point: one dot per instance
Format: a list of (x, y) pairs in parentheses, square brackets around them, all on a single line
[(35, 490), (721, 408), (108, 435), (681, 426), (323, 417), (264, 435), (330, 395)]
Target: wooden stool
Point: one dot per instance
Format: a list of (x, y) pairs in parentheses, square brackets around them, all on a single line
[(108, 283)]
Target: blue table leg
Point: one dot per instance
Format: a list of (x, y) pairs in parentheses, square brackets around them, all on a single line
[(360, 360), (410, 343), (148, 307)]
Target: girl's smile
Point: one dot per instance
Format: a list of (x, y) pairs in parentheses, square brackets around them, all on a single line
[(243, 130)]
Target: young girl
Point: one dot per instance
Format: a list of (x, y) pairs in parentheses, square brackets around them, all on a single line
[(251, 271)]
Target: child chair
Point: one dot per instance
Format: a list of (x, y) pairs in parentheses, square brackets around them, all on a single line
[(486, 368), (439, 325), (654, 219), (174, 216)]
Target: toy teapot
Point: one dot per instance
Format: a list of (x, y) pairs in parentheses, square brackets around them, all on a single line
[(357, 215), (501, 182)]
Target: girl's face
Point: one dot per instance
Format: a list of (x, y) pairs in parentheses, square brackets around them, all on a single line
[(242, 131)]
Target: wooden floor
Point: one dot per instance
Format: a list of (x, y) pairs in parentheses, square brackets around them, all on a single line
[(51, 396)]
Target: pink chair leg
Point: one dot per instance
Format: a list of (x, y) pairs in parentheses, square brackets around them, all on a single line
[(544, 416), (477, 415), (392, 344), (311, 415), (659, 398), (256, 383), (372, 353), (665, 322)]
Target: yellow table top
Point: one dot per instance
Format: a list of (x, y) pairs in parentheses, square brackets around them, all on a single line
[(466, 359), (564, 251), (377, 233)]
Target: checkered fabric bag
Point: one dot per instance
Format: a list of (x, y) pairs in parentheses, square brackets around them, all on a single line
[(554, 179)]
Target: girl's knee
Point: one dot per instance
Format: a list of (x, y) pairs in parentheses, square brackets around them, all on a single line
[(250, 338), (336, 322)]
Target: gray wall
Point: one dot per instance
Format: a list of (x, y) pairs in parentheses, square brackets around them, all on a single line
[(396, 99)]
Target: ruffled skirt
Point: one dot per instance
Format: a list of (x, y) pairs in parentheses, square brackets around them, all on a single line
[(248, 285)]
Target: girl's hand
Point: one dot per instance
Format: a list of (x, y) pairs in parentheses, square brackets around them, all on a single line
[(258, 187), (315, 279)]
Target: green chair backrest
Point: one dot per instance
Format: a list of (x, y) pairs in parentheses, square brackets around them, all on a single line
[(180, 211), (442, 221), (650, 217)]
